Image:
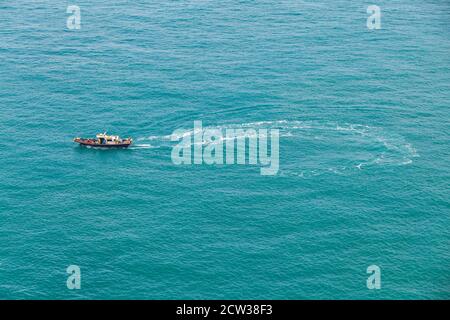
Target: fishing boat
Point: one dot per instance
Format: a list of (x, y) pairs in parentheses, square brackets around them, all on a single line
[(103, 140)]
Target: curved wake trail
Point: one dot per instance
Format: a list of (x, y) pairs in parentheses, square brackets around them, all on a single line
[(310, 148)]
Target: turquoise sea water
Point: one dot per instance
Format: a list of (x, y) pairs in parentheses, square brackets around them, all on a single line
[(364, 149)]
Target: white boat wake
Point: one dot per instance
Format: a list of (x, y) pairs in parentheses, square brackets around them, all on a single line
[(309, 148)]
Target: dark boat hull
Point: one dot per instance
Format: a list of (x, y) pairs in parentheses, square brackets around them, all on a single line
[(91, 144)]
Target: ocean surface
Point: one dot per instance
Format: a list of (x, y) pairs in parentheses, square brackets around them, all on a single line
[(364, 174)]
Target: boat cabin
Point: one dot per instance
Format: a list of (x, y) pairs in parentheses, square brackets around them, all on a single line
[(103, 138)]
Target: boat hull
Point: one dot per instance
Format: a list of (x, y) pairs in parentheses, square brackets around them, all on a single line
[(92, 144)]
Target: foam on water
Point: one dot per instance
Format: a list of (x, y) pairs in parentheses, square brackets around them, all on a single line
[(382, 148), (142, 146)]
